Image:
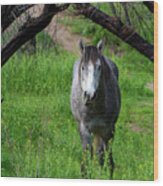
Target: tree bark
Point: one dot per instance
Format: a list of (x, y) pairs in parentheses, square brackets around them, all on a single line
[(115, 25), (149, 5), (10, 13), (30, 30)]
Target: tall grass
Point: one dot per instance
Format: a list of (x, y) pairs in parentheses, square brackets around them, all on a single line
[(39, 134)]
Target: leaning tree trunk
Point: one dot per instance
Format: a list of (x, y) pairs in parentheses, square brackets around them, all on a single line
[(115, 25), (10, 13), (30, 30)]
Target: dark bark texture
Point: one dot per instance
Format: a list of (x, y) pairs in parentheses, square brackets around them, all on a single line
[(10, 13), (149, 5)]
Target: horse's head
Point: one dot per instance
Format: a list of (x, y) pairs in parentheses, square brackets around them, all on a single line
[(90, 70)]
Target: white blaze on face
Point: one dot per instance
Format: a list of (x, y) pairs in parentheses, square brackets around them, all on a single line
[(90, 77)]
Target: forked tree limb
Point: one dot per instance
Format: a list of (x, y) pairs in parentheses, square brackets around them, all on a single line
[(115, 25), (30, 30), (10, 13), (113, 9), (149, 5), (124, 5)]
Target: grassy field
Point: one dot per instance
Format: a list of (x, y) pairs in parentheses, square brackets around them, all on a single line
[(39, 134)]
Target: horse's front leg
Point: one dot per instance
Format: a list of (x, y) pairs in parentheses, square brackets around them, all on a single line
[(86, 140), (110, 158), (99, 148)]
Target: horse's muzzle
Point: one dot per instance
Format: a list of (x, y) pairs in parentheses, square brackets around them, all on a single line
[(89, 98)]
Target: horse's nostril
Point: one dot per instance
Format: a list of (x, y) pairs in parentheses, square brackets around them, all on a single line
[(85, 93), (94, 96), (89, 97)]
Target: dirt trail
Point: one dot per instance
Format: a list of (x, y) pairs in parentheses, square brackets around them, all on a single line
[(63, 35)]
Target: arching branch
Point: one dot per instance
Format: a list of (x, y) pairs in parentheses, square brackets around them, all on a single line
[(115, 25)]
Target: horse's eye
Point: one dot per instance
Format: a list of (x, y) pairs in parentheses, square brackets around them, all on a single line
[(99, 67), (82, 67)]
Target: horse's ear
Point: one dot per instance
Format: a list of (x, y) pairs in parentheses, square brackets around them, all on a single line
[(81, 45), (100, 45)]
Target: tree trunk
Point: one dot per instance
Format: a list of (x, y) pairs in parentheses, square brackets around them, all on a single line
[(30, 30), (10, 13)]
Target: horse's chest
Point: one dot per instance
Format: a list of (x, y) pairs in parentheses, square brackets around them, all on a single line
[(96, 123)]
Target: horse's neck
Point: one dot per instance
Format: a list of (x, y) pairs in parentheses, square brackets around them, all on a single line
[(106, 70), (105, 78)]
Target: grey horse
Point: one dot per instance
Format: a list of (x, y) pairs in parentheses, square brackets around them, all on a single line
[(95, 101)]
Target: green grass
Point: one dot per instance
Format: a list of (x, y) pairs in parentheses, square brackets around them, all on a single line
[(39, 134)]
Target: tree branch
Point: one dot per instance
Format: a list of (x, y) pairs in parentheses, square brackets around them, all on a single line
[(113, 9), (30, 30), (114, 25), (10, 13), (149, 5), (124, 5)]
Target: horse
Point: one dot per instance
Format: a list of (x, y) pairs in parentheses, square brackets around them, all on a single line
[(95, 101)]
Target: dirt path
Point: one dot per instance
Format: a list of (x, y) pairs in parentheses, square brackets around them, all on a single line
[(63, 35)]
